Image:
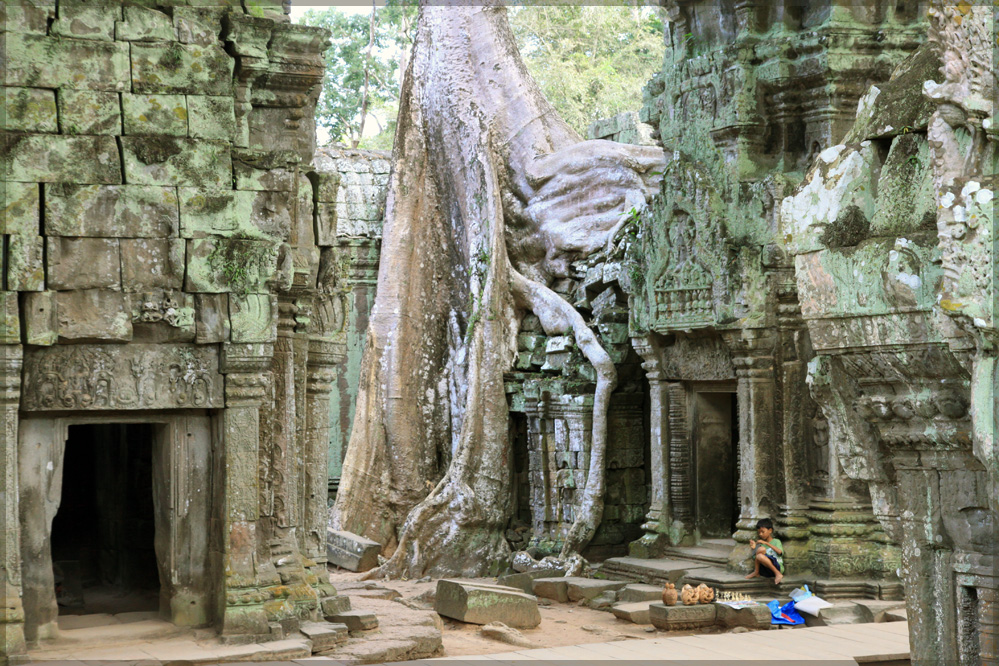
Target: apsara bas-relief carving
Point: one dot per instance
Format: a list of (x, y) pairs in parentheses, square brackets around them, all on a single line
[(121, 377)]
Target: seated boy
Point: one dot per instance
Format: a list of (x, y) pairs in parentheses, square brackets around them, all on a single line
[(768, 551)]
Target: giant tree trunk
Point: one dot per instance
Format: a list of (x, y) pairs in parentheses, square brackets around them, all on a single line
[(491, 196)]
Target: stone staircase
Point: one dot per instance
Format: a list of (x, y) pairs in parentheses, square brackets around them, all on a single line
[(707, 563), (710, 551)]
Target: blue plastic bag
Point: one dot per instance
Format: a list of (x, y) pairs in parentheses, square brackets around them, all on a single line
[(785, 614)]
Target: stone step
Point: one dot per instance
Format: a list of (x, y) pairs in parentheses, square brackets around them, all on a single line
[(636, 612), (639, 592), (357, 620), (653, 572), (325, 636), (710, 554)]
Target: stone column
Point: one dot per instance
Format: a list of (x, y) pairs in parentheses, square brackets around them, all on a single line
[(281, 474), (657, 525), (12, 615), (247, 379), (323, 358), (752, 356)]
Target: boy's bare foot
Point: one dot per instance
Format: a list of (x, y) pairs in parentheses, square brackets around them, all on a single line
[(778, 577), (753, 575)]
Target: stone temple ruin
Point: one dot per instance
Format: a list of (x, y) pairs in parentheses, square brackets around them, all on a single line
[(802, 321), (173, 316)]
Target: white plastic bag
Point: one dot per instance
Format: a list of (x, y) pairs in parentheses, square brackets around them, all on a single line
[(806, 602)]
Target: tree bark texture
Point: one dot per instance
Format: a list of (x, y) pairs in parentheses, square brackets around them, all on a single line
[(491, 197)]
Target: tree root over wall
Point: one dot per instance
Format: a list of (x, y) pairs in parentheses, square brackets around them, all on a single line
[(492, 196)]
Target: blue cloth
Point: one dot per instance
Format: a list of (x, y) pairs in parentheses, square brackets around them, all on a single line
[(785, 614)]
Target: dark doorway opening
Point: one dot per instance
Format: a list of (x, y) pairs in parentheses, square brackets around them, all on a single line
[(717, 464), (103, 533)]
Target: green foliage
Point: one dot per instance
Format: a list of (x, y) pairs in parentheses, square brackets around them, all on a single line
[(339, 108), (590, 61)]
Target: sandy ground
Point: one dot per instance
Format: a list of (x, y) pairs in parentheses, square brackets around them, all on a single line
[(561, 624)]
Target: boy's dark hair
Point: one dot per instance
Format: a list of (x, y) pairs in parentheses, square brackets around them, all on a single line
[(765, 522)]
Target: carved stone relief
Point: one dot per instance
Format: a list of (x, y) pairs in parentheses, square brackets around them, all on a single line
[(132, 376)]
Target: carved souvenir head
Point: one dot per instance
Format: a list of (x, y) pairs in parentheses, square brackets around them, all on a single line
[(669, 594)]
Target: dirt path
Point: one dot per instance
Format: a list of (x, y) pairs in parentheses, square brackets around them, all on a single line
[(561, 624)]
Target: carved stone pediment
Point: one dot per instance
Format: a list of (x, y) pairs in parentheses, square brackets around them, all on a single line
[(686, 253), (112, 377)]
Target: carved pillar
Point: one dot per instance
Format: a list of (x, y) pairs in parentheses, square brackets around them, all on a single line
[(541, 465), (321, 373), (659, 519), (246, 369), (681, 470), (12, 616), (794, 442), (280, 472), (753, 358)]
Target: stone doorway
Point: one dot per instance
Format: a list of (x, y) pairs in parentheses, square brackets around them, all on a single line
[(715, 439), (103, 534), (120, 508)]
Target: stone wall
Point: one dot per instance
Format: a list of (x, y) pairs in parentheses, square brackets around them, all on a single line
[(893, 236), (623, 128), (161, 255), (550, 391)]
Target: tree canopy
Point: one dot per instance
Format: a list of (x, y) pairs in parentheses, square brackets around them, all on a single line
[(362, 62), (590, 62)]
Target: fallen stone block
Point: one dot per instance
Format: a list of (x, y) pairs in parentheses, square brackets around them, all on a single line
[(841, 612), (602, 601), (874, 610), (504, 634), (357, 620), (897, 615), (556, 589), (634, 611), (351, 551), (588, 588), (376, 591), (525, 581), (754, 617), (482, 604), (672, 618), (333, 606), (639, 592), (324, 635)]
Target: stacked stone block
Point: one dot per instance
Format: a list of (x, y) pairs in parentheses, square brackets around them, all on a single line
[(159, 230), (552, 385)]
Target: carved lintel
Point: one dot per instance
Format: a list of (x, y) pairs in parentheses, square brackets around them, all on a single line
[(135, 376)]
